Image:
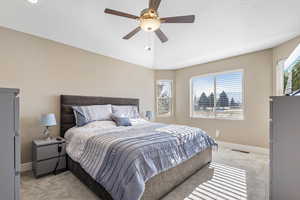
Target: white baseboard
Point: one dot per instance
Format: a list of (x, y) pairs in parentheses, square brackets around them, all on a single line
[(252, 149), (26, 167)]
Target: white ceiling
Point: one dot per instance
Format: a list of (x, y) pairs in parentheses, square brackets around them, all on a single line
[(223, 28)]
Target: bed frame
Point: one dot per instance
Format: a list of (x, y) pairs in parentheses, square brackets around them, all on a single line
[(156, 187)]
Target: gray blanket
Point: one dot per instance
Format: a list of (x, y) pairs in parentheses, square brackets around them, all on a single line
[(123, 161)]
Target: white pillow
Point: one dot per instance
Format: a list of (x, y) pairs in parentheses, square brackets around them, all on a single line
[(130, 112), (101, 125)]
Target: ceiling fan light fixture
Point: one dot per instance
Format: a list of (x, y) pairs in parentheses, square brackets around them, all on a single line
[(150, 25)]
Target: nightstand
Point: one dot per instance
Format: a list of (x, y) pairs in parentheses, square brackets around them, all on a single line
[(46, 155)]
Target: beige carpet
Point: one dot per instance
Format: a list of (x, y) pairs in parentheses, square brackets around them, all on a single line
[(231, 176)]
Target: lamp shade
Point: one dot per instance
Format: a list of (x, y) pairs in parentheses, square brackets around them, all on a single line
[(149, 114), (48, 120)]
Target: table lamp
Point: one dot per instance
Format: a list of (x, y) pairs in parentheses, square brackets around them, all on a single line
[(47, 121), (149, 115)]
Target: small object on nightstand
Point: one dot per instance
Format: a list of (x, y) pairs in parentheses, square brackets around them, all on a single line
[(49, 156), (47, 121)]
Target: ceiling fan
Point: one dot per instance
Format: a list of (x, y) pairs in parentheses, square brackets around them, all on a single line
[(150, 21)]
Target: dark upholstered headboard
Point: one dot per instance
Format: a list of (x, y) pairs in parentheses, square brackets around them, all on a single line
[(67, 119)]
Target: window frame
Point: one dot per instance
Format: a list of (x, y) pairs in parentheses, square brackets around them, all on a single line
[(191, 94), (280, 77), (170, 114)]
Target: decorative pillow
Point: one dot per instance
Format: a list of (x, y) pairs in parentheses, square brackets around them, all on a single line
[(130, 112), (121, 121), (87, 114)]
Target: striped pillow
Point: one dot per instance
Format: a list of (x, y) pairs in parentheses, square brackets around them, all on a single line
[(87, 114)]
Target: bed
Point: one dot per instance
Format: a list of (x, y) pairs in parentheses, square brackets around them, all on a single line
[(157, 186)]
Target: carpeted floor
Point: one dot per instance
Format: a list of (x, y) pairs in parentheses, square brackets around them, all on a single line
[(231, 176)]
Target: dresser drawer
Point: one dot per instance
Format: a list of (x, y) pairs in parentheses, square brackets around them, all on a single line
[(48, 166), (49, 151)]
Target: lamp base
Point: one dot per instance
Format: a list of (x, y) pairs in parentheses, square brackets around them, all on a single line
[(48, 138), (46, 133)]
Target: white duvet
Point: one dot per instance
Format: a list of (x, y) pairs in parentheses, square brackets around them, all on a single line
[(77, 137)]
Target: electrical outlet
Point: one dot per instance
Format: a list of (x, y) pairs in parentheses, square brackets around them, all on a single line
[(218, 133)]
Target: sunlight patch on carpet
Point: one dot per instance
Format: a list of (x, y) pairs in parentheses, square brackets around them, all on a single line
[(227, 183)]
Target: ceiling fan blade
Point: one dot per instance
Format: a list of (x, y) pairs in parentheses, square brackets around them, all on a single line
[(151, 3), (132, 33), (162, 37), (121, 14), (179, 19), (154, 4)]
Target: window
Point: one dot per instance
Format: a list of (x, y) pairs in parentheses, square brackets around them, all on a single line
[(164, 98), (218, 96), (288, 74), (292, 78)]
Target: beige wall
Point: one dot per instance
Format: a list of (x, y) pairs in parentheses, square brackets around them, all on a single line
[(253, 130), (281, 52), (43, 70), (167, 75), (260, 83)]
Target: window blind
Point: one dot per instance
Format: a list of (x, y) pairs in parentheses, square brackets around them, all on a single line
[(218, 96)]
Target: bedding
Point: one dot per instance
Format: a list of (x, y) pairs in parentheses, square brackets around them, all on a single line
[(87, 114), (122, 159), (79, 135), (126, 111), (101, 124), (138, 121)]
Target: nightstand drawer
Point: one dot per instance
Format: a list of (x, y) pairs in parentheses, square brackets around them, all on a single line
[(48, 166), (49, 151)]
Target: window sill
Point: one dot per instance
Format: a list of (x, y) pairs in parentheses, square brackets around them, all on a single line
[(217, 118), (163, 116)]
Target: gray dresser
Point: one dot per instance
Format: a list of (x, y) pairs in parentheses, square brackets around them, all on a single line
[(285, 148), (9, 145)]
